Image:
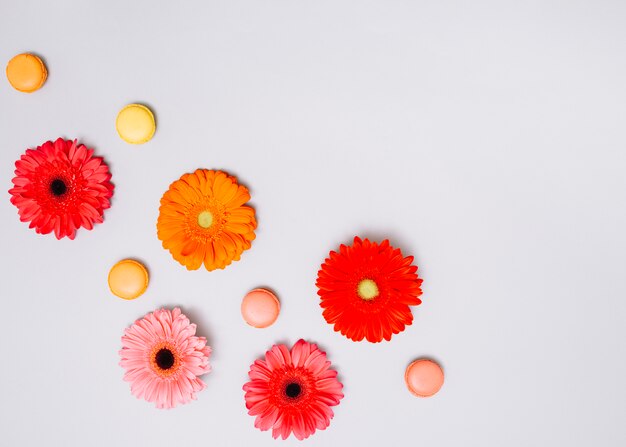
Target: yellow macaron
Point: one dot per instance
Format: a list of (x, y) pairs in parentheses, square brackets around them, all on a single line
[(26, 72), (135, 124)]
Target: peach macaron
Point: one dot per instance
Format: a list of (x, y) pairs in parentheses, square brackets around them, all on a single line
[(260, 308), (424, 378)]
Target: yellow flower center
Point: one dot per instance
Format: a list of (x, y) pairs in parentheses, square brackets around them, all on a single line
[(205, 219), (367, 289)]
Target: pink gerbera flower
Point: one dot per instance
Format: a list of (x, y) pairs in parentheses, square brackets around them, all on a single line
[(163, 358), (292, 391), (61, 187)]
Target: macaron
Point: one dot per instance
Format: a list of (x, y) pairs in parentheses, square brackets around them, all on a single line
[(128, 279), (135, 124), (424, 378), (26, 72), (260, 308)]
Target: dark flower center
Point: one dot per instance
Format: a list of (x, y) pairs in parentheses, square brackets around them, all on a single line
[(293, 390), (58, 187), (164, 359)]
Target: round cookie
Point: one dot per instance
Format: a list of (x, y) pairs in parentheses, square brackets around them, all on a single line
[(423, 378), (135, 124), (26, 72), (260, 308), (128, 279)]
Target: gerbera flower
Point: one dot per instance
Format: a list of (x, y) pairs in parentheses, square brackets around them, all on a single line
[(61, 187), (203, 219), (292, 391), (366, 290), (163, 358)]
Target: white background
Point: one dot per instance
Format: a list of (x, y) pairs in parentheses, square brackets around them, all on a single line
[(486, 138)]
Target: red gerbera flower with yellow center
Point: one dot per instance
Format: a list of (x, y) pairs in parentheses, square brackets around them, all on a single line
[(292, 391), (366, 290), (61, 187)]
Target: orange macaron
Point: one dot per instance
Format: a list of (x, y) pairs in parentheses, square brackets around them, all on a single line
[(128, 279), (26, 72), (424, 378), (260, 308)]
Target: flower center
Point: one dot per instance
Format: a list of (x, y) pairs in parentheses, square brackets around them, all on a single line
[(367, 289), (205, 219), (58, 187), (164, 359), (293, 390)]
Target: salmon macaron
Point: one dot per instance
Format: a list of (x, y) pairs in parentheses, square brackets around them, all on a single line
[(260, 308), (424, 378)]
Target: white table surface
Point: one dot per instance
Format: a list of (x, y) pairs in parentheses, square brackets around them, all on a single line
[(486, 138)]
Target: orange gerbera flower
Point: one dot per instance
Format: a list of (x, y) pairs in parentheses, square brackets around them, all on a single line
[(202, 219)]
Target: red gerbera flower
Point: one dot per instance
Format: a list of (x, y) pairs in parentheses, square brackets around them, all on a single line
[(366, 290), (292, 391), (61, 186)]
